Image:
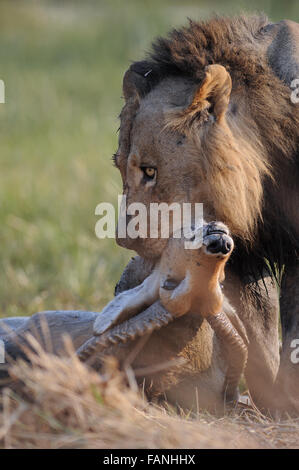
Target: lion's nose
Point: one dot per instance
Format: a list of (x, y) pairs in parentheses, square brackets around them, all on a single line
[(220, 244)]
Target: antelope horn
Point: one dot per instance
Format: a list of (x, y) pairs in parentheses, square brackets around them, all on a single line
[(151, 319), (235, 350)]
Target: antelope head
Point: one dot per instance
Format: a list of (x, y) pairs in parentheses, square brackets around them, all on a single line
[(183, 280)]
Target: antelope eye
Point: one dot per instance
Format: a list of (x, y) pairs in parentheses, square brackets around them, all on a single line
[(149, 172)]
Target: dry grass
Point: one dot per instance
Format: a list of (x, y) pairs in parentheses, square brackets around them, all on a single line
[(67, 405)]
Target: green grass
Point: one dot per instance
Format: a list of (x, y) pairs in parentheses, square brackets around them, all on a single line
[(62, 63)]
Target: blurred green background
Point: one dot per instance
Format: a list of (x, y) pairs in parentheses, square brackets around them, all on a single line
[(62, 63)]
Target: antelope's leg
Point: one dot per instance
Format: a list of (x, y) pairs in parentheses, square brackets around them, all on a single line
[(128, 303), (235, 350)]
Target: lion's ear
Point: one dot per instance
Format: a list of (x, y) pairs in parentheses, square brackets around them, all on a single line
[(214, 91), (137, 80)]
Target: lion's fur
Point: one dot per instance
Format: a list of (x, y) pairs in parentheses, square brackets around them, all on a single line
[(243, 162), (231, 166), (231, 43)]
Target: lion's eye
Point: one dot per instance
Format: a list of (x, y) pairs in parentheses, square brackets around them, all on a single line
[(149, 172)]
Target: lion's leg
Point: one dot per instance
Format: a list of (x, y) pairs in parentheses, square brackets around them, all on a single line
[(288, 378), (134, 274), (257, 306)]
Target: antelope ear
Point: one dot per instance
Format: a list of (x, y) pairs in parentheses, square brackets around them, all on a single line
[(128, 304), (214, 91), (137, 79)]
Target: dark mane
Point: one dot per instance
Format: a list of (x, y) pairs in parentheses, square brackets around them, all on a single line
[(188, 50), (234, 43)]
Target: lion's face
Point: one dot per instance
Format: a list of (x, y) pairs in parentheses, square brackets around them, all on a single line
[(162, 164), (185, 143)]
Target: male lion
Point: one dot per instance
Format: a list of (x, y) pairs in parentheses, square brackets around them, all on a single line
[(209, 118)]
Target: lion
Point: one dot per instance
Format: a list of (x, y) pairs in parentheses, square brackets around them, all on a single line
[(208, 117)]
